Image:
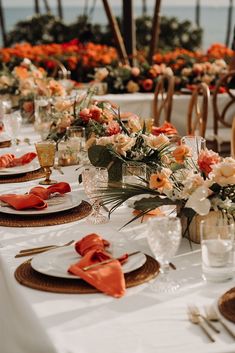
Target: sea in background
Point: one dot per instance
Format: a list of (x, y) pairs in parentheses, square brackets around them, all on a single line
[(213, 19)]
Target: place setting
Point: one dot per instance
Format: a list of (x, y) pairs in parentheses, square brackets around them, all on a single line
[(81, 267), (42, 206)]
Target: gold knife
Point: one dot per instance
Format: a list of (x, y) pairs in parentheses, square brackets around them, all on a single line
[(107, 261)]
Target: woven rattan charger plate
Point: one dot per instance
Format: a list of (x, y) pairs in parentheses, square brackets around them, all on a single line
[(227, 305), (71, 215), (28, 277), (20, 178)]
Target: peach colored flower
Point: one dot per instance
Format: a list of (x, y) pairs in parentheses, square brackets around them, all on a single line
[(132, 87), (101, 74), (134, 123), (105, 140), (155, 142), (223, 173), (135, 71), (206, 159), (160, 180), (123, 143), (181, 152)]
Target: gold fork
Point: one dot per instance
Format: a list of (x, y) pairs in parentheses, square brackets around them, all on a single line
[(195, 319), (38, 250)]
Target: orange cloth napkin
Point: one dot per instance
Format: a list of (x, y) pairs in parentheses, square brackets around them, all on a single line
[(22, 202), (153, 213), (166, 128), (45, 193), (107, 278), (36, 196), (9, 160)]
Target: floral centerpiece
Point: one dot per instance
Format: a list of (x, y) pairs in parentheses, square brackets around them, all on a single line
[(27, 82), (126, 79), (131, 143), (195, 189), (97, 117)]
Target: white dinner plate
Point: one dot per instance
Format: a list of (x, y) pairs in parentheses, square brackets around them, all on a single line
[(55, 204), (21, 169), (56, 262)]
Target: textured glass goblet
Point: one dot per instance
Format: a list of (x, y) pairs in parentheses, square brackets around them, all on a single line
[(94, 179), (164, 236)]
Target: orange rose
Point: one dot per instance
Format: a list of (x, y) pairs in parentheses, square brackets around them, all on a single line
[(181, 153)]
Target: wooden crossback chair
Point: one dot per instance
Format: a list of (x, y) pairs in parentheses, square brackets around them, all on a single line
[(59, 67), (198, 111), (163, 99), (233, 139), (222, 121)]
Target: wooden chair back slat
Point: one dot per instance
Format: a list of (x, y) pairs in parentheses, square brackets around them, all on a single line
[(233, 139), (198, 112), (163, 99)]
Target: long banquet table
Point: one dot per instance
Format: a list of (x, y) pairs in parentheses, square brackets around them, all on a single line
[(143, 321)]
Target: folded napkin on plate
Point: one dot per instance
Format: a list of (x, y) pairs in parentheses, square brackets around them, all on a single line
[(166, 128), (22, 202), (107, 278), (10, 160), (36, 196), (44, 193)]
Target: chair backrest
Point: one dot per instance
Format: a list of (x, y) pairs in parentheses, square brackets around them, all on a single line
[(163, 98), (198, 110), (57, 67), (221, 111), (233, 139)]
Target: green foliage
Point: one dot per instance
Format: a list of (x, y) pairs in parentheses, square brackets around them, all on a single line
[(50, 29), (101, 156)]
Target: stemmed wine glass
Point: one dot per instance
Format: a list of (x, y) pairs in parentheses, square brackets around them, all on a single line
[(46, 156), (12, 123), (94, 179), (164, 236)]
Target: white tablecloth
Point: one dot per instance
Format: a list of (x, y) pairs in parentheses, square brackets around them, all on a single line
[(141, 322), (142, 105)]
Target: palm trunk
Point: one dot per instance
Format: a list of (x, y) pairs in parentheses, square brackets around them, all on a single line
[(155, 31), (2, 23), (229, 23), (60, 9), (144, 8), (116, 33), (198, 11), (36, 7), (47, 7)]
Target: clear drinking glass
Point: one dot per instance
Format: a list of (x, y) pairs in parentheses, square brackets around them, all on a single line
[(46, 156), (217, 237), (43, 116), (164, 235), (196, 144), (95, 178), (12, 123)]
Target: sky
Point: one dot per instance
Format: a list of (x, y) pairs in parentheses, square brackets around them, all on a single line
[(25, 3)]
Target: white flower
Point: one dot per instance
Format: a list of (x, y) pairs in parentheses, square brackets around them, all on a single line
[(199, 202)]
